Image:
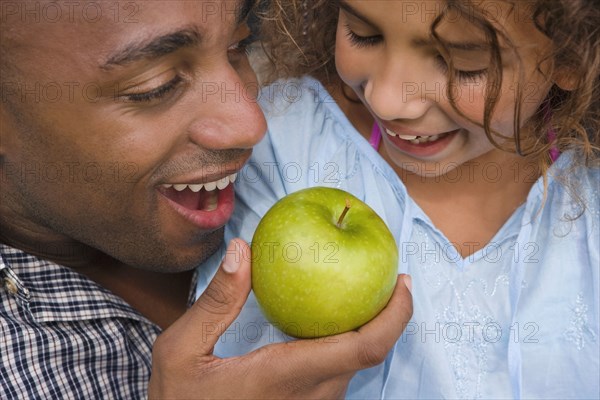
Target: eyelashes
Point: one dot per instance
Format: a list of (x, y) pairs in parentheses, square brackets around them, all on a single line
[(467, 76), (239, 49), (243, 46), (361, 42), (157, 93)]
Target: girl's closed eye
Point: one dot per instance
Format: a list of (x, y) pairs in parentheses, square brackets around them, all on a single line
[(359, 41), (362, 41), (462, 75)]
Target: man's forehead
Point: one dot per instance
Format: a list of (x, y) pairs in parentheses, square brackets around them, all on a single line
[(92, 16), (96, 29), (57, 10)]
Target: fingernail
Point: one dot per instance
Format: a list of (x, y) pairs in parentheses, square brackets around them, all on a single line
[(231, 262), (408, 282)]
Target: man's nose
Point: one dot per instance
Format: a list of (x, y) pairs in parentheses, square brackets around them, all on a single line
[(229, 116)]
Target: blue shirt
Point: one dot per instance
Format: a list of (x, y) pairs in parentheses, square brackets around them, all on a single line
[(518, 318)]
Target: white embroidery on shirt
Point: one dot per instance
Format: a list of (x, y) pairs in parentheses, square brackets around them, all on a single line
[(576, 333), (467, 330)]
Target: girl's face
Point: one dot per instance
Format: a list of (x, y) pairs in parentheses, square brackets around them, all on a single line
[(385, 52)]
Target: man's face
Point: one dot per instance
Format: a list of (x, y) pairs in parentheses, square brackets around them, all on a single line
[(112, 109)]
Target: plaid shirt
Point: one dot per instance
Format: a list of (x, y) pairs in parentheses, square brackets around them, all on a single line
[(62, 336)]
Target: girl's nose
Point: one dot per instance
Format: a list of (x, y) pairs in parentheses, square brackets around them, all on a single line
[(397, 91)]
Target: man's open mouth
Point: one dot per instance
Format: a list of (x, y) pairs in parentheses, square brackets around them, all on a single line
[(200, 196)]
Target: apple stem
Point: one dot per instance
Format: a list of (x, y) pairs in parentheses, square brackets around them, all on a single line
[(348, 205)]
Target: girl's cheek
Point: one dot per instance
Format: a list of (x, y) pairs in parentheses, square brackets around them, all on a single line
[(470, 102), (348, 64)]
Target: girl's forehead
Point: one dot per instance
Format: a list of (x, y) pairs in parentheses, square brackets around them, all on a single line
[(458, 20)]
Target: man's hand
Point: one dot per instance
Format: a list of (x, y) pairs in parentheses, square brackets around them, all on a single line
[(183, 364)]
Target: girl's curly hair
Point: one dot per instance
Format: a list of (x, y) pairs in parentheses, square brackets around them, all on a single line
[(299, 38)]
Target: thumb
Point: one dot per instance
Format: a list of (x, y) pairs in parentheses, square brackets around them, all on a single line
[(220, 304)]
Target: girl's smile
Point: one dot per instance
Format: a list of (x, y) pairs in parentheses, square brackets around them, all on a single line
[(401, 72), (423, 146)]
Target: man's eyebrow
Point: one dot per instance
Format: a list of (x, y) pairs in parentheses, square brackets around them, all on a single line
[(346, 7), (154, 48), (168, 43)]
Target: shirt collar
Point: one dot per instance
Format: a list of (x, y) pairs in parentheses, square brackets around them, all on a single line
[(52, 292)]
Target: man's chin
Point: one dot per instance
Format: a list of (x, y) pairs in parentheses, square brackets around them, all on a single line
[(173, 259)]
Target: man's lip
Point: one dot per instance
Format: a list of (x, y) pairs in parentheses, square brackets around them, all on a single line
[(207, 220), (199, 179), (206, 174)]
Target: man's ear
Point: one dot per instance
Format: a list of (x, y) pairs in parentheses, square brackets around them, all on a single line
[(566, 78)]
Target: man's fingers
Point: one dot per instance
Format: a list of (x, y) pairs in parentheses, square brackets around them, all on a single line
[(202, 325), (380, 334), (356, 350)]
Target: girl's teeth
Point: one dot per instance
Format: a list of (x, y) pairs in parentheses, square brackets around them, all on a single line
[(407, 137), (425, 139), (415, 139), (209, 187)]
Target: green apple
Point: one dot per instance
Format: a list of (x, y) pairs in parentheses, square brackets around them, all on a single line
[(323, 262)]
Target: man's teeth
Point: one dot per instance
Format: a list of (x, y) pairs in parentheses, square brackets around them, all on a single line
[(209, 186), (415, 139)]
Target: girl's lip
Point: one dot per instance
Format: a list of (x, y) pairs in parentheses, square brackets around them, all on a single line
[(400, 130), (426, 149)]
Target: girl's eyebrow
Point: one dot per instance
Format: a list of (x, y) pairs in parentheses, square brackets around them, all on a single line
[(346, 7), (464, 46), (470, 46)]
